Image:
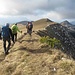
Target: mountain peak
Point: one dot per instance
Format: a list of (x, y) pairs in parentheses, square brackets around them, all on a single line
[(66, 23), (45, 19)]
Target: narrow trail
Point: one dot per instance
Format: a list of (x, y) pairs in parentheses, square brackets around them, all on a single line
[(24, 42), (30, 42)]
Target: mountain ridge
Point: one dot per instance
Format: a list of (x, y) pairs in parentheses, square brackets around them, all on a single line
[(30, 57)]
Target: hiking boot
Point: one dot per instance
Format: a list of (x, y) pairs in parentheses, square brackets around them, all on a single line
[(7, 52)]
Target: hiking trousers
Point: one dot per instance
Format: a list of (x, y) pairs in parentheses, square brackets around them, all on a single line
[(6, 49), (14, 37), (29, 31)]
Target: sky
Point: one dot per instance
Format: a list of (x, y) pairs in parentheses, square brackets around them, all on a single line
[(21, 10)]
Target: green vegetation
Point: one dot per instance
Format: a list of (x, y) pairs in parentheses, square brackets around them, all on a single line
[(52, 42)]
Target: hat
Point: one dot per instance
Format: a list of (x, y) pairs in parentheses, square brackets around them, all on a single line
[(7, 24)]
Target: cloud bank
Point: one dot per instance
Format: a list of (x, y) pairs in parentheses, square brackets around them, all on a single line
[(36, 9)]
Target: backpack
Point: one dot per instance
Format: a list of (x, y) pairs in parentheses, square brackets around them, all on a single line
[(14, 30), (5, 31), (29, 26)]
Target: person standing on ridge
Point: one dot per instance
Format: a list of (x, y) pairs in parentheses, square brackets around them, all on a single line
[(0, 32), (29, 27), (14, 29), (6, 34)]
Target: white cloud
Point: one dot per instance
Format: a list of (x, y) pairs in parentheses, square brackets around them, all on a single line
[(53, 15), (15, 7), (35, 9)]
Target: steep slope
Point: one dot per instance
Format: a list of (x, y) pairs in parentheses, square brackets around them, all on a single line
[(62, 33), (29, 57)]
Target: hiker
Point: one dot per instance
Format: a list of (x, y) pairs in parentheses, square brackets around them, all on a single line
[(14, 29), (29, 27), (0, 32), (6, 34)]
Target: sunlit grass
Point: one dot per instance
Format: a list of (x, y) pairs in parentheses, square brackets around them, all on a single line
[(52, 42)]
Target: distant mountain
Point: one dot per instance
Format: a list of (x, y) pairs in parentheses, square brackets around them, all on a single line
[(73, 22), (43, 21), (66, 23), (22, 22), (69, 25)]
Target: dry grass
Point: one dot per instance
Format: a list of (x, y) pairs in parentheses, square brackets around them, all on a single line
[(29, 57)]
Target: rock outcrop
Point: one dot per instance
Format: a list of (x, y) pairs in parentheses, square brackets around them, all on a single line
[(62, 33)]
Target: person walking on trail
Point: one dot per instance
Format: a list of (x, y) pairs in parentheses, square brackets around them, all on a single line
[(6, 34), (14, 29), (0, 32), (29, 27)]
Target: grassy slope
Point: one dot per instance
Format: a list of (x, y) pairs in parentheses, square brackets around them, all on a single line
[(29, 57)]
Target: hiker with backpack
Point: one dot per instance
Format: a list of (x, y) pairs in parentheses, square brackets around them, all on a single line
[(14, 29), (29, 27), (0, 32), (6, 34)]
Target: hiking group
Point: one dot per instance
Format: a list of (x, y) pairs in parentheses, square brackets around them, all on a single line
[(8, 34)]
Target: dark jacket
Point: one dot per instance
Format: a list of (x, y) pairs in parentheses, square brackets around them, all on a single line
[(10, 32)]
